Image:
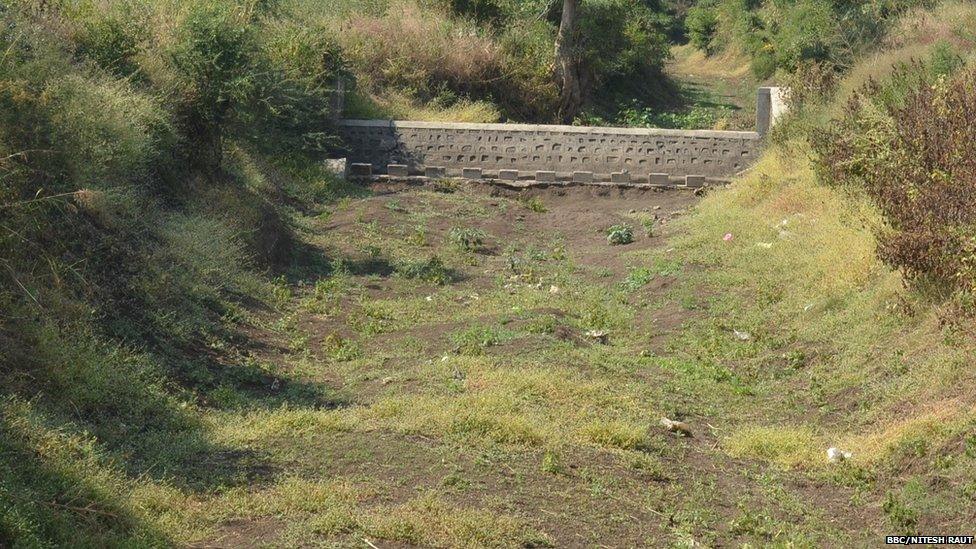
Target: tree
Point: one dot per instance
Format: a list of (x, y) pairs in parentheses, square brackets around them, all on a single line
[(568, 70)]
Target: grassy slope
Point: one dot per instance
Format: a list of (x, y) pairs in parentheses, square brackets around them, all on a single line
[(347, 405), (850, 358)]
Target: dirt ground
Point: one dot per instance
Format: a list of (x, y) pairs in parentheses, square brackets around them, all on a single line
[(611, 477)]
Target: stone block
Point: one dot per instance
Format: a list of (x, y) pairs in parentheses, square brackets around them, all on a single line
[(471, 173), (545, 176), (694, 181), (660, 179), (583, 177), (620, 177), (361, 170), (337, 166), (398, 170), (771, 105), (435, 172), (508, 175)]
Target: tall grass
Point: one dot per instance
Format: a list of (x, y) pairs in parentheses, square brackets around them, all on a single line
[(130, 231), (872, 369)]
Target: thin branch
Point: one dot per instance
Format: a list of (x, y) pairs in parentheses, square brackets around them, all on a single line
[(41, 199), (13, 275)]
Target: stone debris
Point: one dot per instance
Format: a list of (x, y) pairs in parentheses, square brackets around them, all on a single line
[(554, 289), (599, 336), (836, 455), (742, 336), (678, 427)]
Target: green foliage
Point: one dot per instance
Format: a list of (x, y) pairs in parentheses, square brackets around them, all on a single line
[(621, 40), (121, 265), (474, 340), (620, 234), (467, 239), (535, 204), (421, 59), (900, 515), (698, 117), (214, 61), (112, 42), (638, 277), (431, 270), (904, 142), (701, 25), (785, 34)]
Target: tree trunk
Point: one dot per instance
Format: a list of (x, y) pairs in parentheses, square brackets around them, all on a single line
[(568, 65)]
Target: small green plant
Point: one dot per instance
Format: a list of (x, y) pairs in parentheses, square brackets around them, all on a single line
[(466, 239), (446, 186), (795, 359), (418, 237), (551, 463), (638, 277), (474, 340), (648, 222), (341, 349), (281, 292), (431, 269), (535, 204), (900, 515), (545, 324), (620, 234)]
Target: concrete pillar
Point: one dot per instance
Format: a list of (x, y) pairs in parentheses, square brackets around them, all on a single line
[(360, 170), (770, 107), (660, 179), (620, 177), (471, 173), (583, 177), (435, 172), (397, 170), (338, 98)]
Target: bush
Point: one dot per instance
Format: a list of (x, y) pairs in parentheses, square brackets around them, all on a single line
[(214, 60), (430, 270), (467, 240), (785, 34), (620, 234), (908, 144), (112, 42), (701, 25)]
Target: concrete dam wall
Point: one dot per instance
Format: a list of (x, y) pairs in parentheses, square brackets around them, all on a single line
[(515, 150)]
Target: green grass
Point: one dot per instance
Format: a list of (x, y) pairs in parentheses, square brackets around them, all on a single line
[(168, 380)]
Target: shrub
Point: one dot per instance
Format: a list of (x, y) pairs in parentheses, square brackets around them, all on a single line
[(429, 270), (300, 69), (214, 59), (783, 35), (912, 152), (474, 340), (620, 234), (112, 42), (467, 240), (701, 25)]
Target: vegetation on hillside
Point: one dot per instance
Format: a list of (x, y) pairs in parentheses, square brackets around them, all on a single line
[(850, 264), (782, 35), (206, 338), (145, 146), (484, 60)]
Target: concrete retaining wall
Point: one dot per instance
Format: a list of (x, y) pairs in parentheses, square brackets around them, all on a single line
[(562, 149)]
